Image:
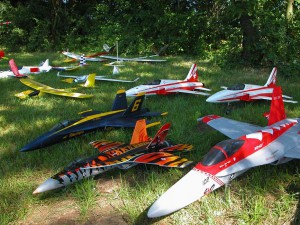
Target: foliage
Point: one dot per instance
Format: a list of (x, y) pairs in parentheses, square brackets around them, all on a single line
[(252, 199), (246, 32)]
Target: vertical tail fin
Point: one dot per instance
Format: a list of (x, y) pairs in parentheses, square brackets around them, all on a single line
[(116, 70), (140, 132), (277, 112), (90, 80), (135, 105), (120, 101), (45, 67), (193, 74), (14, 68), (160, 135), (272, 78)]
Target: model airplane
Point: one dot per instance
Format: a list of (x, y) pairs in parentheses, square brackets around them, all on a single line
[(190, 85), (121, 116), (138, 59), (42, 68), (40, 88), (248, 92), (123, 156), (249, 147), (84, 78), (91, 58)]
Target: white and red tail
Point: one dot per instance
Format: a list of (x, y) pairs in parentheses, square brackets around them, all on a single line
[(14, 68), (193, 74), (160, 135), (277, 112), (271, 82)]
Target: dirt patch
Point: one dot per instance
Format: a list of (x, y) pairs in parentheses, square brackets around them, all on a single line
[(68, 211)]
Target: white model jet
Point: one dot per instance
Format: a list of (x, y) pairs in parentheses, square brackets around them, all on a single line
[(190, 85), (249, 147), (248, 92)]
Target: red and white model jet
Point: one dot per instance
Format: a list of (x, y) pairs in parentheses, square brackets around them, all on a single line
[(190, 85), (248, 92), (249, 147)]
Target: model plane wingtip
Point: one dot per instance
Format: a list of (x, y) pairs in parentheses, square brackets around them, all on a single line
[(120, 91)]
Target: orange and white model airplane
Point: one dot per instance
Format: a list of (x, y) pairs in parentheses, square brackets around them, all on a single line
[(248, 92), (190, 85)]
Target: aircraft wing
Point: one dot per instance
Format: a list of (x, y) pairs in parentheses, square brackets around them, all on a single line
[(65, 68), (231, 128), (71, 55), (5, 74), (270, 98), (103, 78), (115, 80), (47, 89), (132, 59), (163, 159), (177, 148), (77, 57), (188, 92), (103, 145)]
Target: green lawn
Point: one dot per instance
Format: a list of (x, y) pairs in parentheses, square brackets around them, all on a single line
[(264, 195)]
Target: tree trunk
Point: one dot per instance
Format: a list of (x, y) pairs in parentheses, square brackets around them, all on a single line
[(289, 9), (249, 37)]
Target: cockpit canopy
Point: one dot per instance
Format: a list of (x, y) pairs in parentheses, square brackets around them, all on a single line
[(222, 151), (237, 87), (154, 82), (61, 125)]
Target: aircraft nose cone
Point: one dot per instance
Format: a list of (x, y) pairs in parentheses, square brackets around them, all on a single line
[(213, 98), (48, 185), (187, 190)]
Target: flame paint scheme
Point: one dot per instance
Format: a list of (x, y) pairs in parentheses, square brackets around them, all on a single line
[(190, 85), (249, 147), (123, 156), (121, 116), (248, 92)]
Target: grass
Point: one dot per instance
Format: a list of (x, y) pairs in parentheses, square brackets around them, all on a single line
[(264, 195)]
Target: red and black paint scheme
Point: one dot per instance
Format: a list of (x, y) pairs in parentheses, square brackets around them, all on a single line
[(121, 116), (112, 155)]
